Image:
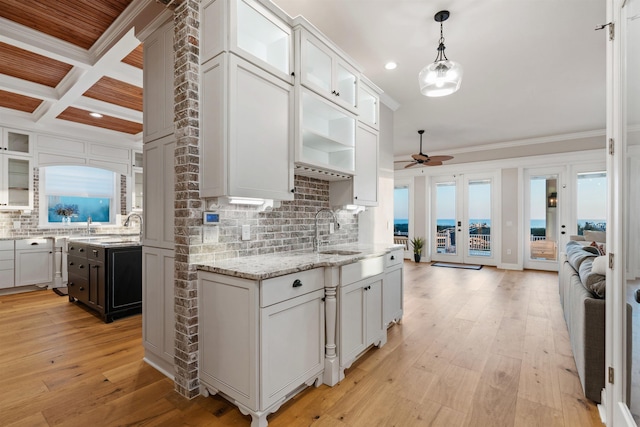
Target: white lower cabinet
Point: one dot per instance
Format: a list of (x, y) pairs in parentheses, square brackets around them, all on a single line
[(158, 321), (261, 341), (33, 261), (392, 291), (6, 264), (360, 309)]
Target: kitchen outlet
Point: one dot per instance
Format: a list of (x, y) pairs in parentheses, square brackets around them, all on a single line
[(246, 232), (332, 228)]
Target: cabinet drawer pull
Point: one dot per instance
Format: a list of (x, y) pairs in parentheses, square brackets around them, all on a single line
[(34, 243), (95, 252), (82, 288), (297, 283), (81, 266), (70, 284), (95, 266), (392, 257), (81, 250), (71, 248), (71, 263)]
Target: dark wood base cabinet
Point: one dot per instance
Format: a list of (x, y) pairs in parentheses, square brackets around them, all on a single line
[(106, 279)]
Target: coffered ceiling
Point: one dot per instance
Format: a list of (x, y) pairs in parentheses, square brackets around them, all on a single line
[(62, 60)]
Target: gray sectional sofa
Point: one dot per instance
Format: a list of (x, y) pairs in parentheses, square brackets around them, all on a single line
[(584, 313), (582, 275)]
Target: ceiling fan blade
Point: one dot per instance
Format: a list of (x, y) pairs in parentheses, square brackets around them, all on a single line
[(439, 158), (410, 165), (430, 163), (420, 156), (404, 161)]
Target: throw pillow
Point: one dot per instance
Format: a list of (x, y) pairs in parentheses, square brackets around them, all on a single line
[(599, 265), (599, 247)]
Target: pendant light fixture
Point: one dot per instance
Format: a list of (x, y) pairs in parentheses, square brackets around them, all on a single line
[(442, 77)]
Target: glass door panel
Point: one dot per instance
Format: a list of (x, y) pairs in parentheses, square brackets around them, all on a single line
[(317, 65), (445, 219), (543, 220), (401, 216), (347, 84), (18, 182), (479, 218)]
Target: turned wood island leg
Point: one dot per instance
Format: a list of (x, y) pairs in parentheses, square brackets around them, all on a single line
[(331, 361)]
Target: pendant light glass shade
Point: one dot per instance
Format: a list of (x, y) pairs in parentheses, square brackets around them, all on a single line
[(442, 77)]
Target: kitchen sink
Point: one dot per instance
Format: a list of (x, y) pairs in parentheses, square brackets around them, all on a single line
[(338, 252)]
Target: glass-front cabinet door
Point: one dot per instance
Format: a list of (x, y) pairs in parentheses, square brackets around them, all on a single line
[(16, 141), (17, 183), (325, 72), (261, 34)]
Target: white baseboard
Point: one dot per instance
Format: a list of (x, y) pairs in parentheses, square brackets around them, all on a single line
[(159, 364), (506, 266)]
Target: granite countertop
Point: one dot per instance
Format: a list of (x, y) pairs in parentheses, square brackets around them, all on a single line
[(261, 267), (109, 241)]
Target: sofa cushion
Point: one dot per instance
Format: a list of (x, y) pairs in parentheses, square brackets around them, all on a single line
[(595, 236), (576, 255), (593, 282)]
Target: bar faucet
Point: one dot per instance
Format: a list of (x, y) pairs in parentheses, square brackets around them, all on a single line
[(89, 226), (316, 239), (127, 222)]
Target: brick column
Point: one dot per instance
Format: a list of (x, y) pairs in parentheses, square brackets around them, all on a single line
[(188, 206)]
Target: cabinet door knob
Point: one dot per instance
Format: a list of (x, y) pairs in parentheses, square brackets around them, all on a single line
[(337, 93), (333, 92), (297, 283), (392, 257)]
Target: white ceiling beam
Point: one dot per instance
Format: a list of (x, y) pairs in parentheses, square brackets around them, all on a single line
[(126, 73), (43, 44), (109, 109), (70, 93), (26, 88)]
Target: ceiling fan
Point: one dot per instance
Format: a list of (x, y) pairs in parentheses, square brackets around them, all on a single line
[(422, 159)]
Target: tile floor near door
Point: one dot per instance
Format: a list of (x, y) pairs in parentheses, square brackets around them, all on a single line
[(481, 348)]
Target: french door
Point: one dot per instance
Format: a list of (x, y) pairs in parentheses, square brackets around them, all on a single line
[(545, 231), (464, 219)]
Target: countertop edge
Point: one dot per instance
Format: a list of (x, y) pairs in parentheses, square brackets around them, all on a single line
[(272, 264)]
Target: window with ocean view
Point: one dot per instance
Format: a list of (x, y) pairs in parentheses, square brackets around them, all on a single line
[(401, 216), (591, 206)]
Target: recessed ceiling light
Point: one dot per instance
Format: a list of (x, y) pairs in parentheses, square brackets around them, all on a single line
[(390, 65), (96, 115)]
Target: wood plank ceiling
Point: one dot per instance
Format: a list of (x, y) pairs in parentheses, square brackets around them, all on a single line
[(61, 60)]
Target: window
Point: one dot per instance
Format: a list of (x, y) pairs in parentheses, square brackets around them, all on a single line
[(591, 209), (76, 193)]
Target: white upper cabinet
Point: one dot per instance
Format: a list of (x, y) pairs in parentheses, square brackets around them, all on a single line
[(369, 103), (362, 190), (259, 34), (247, 131), (158, 84), (16, 142), (326, 134), (16, 178), (325, 72)]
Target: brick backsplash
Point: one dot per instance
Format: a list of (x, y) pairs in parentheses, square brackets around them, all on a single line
[(286, 228)]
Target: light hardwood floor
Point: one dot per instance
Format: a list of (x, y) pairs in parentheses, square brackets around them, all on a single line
[(475, 348)]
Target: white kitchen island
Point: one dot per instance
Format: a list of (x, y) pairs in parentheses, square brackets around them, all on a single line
[(271, 325)]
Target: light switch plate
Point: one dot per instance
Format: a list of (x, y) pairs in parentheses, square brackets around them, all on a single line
[(246, 232), (332, 228)]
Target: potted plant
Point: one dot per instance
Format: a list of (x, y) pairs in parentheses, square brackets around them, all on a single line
[(417, 243), (66, 211)]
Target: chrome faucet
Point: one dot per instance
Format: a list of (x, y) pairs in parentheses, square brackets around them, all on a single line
[(88, 226), (127, 222), (316, 239)]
